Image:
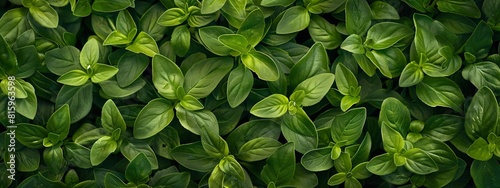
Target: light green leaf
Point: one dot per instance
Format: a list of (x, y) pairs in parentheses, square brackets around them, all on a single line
[(239, 85), (381, 165), (273, 106), (172, 17), (392, 140), (102, 72), (323, 31), (346, 128), (167, 77), (211, 6), (194, 157), (294, 19), (317, 160), (144, 44), (74, 78), (260, 63), (412, 75), (153, 118), (418, 162), (354, 44), (101, 149), (202, 78)]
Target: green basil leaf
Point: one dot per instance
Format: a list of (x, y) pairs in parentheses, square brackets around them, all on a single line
[(125, 23), (118, 38), (319, 7), (382, 10), (345, 79), (280, 166), (239, 85), (181, 39), (357, 16), (382, 165), (191, 103), (167, 77), (197, 19), (13, 22), (101, 149), (463, 7), (348, 101), (139, 169), (258, 149), (42, 12), (261, 128), (27, 160), (27, 107), (8, 58), (102, 72), (273, 3), (210, 37), (211, 6), (77, 155), (172, 17), (477, 122), (131, 148), (411, 75), (213, 144), (314, 62), (337, 179), (385, 34), (395, 114), (253, 27), (62, 60), (484, 172), (111, 89), (322, 31), (28, 61), (419, 162), (216, 178), (260, 63), (354, 44), (153, 118), (194, 157), (110, 5), (483, 74), (173, 179), (31, 135), (59, 122), (390, 61), (149, 22), (236, 42), (392, 140), (195, 120), (144, 44), (347, 127), (130, 68), (440, 92), (443, 127), (440, 153), (273, 106), (294, 19), (164, 142), (343, 163), (480, 41), (81, 8), (54, 159), (230, 166), (317, 160), (112, 180), (298, 128), (360, 171), (74, 78), (111, 118), (202, 78), (315, 88)]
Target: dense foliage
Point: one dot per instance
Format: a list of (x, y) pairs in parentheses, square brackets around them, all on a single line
[(249, 93)]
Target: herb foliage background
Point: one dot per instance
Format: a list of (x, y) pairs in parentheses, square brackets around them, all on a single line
[(243, 93)]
